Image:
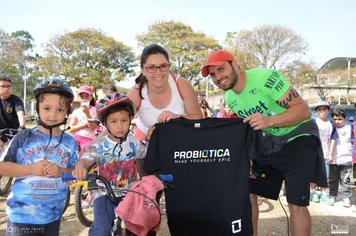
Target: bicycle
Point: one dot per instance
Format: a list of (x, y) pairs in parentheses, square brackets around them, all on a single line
[(5, 136), (85, 215), (92, 184)]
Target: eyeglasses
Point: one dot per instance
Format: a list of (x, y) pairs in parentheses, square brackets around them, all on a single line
[(5, 86), (153, 68)]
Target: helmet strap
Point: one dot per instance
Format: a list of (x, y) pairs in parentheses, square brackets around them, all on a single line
[(50, 127)]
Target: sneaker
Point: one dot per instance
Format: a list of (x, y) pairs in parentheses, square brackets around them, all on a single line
[(88, 201), (283, 200), (324, 198), (353, 208), (347, 202), (331, 201), (314, 196)]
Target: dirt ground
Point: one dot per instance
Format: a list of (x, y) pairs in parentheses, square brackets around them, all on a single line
[(325, 219)]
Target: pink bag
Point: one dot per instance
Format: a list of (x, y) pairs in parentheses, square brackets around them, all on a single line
[(139, 209)]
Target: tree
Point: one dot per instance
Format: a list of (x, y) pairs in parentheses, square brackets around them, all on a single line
[(305, 76), (87, 56), (187, 49), (270, 46), (246, 59), (300, 73), (17, 58)]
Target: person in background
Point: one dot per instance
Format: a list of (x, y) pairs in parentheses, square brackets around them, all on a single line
[(328, 137), (205, 108), (84, 126), (351, 119), (341, 162), (37, 157), (225, 112), (159, 96), (12, 113), (82, 123), (109, 89), (266, 101)]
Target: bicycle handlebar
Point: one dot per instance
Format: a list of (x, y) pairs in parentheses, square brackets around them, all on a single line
[(92, 177), (8, 133)]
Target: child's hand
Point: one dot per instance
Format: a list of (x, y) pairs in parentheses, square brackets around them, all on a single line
[(330, 159), (80, 173), (39, 167), (149, 132), (52, 169)]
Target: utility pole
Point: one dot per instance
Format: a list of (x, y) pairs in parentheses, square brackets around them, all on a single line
[(24, 88)]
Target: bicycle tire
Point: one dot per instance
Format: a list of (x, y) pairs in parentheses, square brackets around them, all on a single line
[(5, 184), (85, 215)]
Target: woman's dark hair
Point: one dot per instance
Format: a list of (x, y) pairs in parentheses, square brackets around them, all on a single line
[(92, 101), (204, 105), (146, 52), (111, 87)]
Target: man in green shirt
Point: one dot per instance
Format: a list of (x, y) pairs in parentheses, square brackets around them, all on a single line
[(266, 101)]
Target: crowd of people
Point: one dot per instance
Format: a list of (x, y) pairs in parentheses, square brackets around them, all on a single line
[(310, 156)]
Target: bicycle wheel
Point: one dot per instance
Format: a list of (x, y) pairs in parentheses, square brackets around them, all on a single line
[(85, 214), (5, 184)]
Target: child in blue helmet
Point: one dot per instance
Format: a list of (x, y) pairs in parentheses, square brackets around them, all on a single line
[(37, 157), (119, 156)]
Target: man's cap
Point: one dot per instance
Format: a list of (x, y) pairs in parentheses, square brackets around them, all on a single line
[(217, 58), (85, 89)]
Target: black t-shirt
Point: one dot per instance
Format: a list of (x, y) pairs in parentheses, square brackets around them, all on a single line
[(8, 112), (209, 161)]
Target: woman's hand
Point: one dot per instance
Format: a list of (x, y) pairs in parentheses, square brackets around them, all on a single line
[(166, 116)]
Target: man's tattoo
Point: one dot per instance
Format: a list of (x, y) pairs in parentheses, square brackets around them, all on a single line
[(285, 103)]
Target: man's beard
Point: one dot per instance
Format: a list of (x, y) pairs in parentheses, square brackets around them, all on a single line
[(233, 81)]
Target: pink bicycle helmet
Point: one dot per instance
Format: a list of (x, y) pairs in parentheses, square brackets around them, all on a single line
[(111, 101)]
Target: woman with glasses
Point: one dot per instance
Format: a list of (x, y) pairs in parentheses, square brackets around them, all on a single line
[(158, 95)]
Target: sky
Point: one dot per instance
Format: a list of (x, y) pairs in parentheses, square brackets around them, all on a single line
[(328, 26)]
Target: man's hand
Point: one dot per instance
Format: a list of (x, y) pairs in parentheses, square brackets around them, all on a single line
[(257, 121)]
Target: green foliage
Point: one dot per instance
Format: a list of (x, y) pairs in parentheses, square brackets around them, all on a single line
[(17, 58), (188, 50), (301, 73), (86, 56)]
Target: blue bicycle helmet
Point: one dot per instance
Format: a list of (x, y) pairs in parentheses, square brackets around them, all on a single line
[(53, 85)]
